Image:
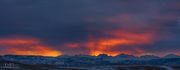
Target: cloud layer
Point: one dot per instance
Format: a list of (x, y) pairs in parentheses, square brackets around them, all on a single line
[(91, 27)]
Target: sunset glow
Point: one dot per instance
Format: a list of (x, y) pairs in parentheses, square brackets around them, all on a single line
[(89, 27), (121, 40), (23, 46)]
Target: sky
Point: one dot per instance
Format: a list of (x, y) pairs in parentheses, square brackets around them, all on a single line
[(89, 27)]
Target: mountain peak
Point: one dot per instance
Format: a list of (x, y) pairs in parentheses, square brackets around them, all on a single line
[(172, 56)]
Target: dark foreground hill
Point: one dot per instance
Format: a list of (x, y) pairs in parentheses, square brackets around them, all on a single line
[(85, 62), (9, 65)]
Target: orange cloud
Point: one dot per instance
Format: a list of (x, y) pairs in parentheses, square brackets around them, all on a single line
[(25, 46), (120, 39)]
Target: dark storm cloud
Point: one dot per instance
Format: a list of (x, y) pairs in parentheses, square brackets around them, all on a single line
[(54, 19), (60, 22)]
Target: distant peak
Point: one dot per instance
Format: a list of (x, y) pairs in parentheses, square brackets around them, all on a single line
[(172, 56)]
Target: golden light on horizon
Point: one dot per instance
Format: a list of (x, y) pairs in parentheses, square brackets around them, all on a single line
[(121, 39), (23, 46)]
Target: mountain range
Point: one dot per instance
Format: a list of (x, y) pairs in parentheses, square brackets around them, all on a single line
[(103, 59)]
